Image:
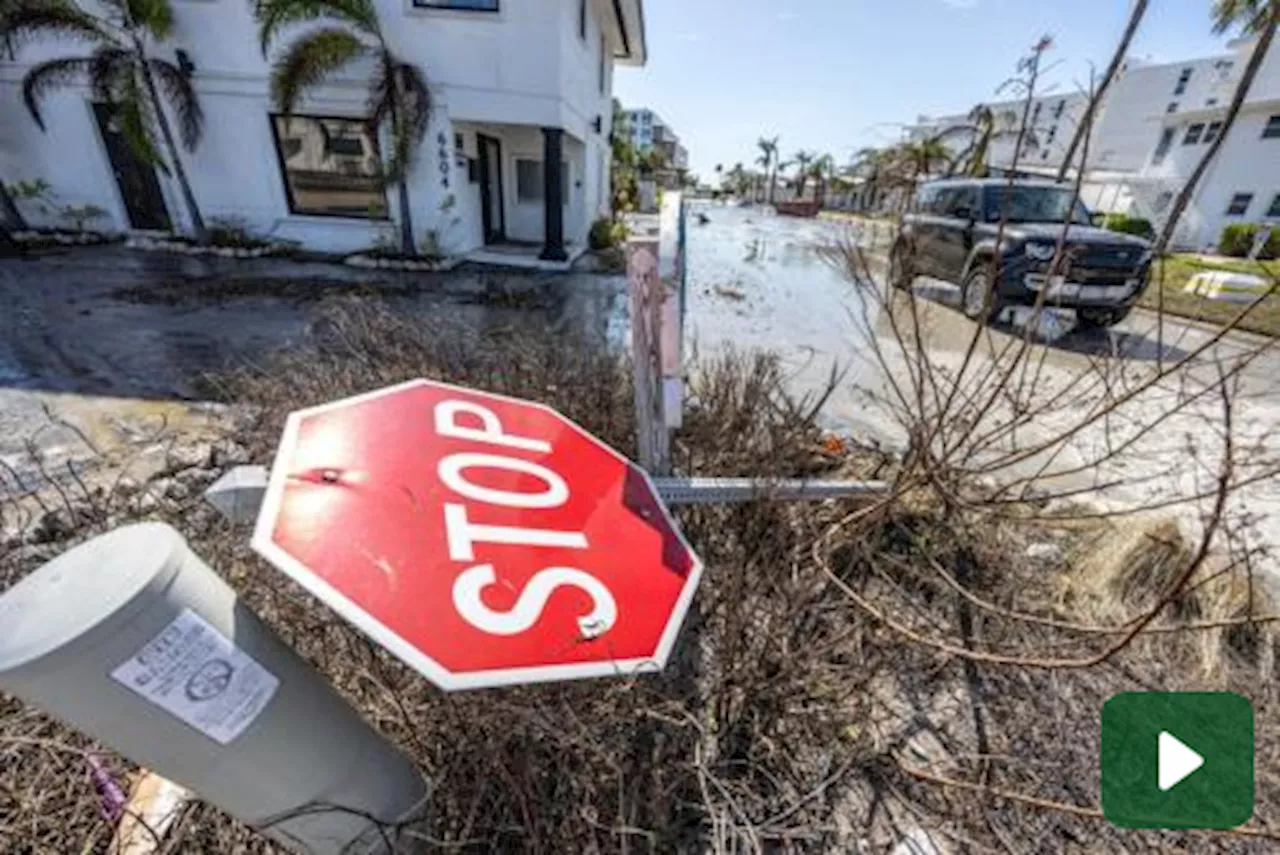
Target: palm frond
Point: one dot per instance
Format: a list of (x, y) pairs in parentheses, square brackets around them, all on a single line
[(48, 76), (308, 61), (27, 20), (155, 16), (178, 91), (1250, 16), (382, 89), (134, 115), (273, 15), (412, 111), (110, 66), (952, 131)]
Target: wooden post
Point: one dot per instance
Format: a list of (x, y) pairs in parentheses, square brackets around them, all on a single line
[(671, 264), (647, 293)]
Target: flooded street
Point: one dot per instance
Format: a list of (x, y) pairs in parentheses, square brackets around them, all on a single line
[(105, 348), (762, 281), (759, 281)]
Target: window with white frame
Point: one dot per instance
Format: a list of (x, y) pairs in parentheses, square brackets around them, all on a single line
[(1211, 132), (1272, 130), (1274, 211), (1193, 134), (582, 19), (1239, 204), (1162, 147), (604, 67), (1183, 79), (331, 166), (531, 184)]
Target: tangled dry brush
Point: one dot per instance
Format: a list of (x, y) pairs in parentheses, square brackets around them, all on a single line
[(794, 719)]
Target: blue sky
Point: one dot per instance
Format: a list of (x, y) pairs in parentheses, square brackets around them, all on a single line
[(838, 75)]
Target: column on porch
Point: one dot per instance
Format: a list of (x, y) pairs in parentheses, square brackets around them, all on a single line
[(553, 195)]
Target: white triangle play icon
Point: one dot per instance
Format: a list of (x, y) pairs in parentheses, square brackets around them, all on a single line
[(1175, 761)]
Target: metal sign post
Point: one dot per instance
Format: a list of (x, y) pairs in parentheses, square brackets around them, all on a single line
[(238, 494)]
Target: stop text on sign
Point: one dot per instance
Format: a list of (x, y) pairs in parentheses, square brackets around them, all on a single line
[(467, 537)]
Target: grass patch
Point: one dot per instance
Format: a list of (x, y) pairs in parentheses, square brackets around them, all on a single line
[(1178, 270)]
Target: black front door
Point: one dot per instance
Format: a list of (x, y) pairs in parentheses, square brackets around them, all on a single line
[(139, 187), (495, 223)]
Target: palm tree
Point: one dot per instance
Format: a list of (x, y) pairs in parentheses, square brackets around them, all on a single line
[(985, 127), (1257, 18), (121, 73), (769, 148), (763, 161), (802, 159), (866, 163), (398, 92), (821, 170), (626, 161), (1113, 69), (737, 181), (922, 155)]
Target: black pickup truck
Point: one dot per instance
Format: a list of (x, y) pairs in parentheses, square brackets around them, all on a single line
[(967, 231)]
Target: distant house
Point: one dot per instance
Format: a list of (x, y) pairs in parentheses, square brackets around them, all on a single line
[(520, 87), (648, 132), (1151, 133)]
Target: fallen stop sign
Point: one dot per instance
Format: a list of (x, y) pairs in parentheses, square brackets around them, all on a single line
[(483, 540)]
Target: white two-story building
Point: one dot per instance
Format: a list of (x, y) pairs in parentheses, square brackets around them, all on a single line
[(1050, 121), (522, 94), (1151, 133), (1184, 104)]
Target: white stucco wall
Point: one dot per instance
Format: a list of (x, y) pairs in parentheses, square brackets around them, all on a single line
[(517, 70)]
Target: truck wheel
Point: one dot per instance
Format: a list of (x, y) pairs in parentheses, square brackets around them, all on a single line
[(901, 267), (1101, 318), (978, 300)]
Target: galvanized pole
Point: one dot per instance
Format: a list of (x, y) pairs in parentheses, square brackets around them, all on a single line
[(238, 494)]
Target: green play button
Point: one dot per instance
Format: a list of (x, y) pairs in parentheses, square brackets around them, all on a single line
[(1177, 760)]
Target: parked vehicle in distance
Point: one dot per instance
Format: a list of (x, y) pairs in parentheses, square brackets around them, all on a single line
[(997, 240)]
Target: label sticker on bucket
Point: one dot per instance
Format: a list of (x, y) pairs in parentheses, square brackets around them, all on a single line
[(195, 673)]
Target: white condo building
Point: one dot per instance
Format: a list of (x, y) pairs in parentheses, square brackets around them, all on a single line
[(648, 131), (1151, 133), (517, 85)]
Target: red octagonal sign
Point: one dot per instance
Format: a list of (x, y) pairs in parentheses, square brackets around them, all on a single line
[(483, 540)]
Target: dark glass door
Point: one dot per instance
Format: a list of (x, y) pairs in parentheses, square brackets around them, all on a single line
[(495, 224), (139, 187)]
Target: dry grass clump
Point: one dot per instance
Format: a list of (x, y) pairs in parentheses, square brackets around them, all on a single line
[(790, 720)]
